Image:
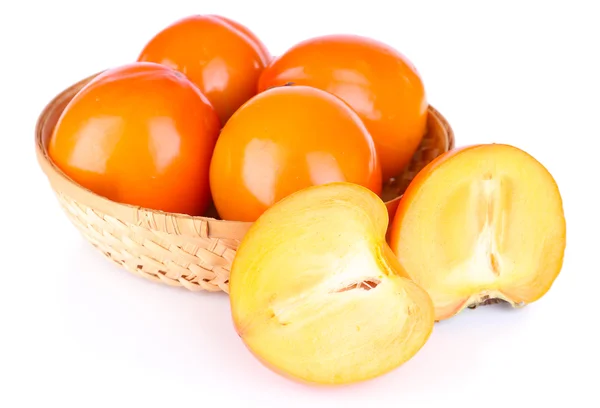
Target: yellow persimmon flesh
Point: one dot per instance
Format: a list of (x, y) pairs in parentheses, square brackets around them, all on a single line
[(479, 224), (316, 293)]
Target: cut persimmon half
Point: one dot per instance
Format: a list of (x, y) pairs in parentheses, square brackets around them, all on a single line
[(318, 296), (478, 225)]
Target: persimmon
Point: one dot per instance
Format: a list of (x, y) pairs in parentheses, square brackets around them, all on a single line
[(376, 80), (318, 296), (219, 55), (286, 139), (140, 134), (481, 224)]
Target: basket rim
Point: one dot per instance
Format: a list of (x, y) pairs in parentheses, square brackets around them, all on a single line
[(217, 228)]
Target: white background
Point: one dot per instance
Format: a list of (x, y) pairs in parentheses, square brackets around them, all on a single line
[(78, 332)]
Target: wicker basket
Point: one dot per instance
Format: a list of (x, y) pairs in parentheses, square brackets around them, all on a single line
[(176, 249)]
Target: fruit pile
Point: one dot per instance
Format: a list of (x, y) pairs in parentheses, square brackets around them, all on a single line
[(326, 286), (206, 116)]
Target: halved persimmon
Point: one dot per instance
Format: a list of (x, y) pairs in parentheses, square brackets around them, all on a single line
[(318, 296), (478, 224)]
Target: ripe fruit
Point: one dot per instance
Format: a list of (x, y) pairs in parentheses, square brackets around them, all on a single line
[(316, 293), (286, 139), (481, 223), (140, 134), (377, 81), (222, 57)]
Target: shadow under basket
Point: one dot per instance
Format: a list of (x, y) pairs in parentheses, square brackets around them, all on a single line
[(177, 249)]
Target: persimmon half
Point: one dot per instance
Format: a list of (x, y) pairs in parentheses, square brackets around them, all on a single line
[(139, 134), (220, 56), (478, 225), (376, 80), (317, 295), (286, 139)]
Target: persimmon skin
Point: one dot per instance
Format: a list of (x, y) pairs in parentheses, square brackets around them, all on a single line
[(222, 57), (376, 80), (286, 139), (139, 134)]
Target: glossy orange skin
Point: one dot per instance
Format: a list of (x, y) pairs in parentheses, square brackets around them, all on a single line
[(286, 139), (140, 134), (377, 81), (221, 56)]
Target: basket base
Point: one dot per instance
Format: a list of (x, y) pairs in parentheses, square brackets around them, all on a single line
[(143, 252)]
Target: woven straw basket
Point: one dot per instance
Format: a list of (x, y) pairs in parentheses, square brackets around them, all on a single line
[(177, 249)]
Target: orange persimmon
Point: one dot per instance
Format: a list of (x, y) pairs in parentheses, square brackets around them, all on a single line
[(376, 80), (286, 139), (221, 56), (139, 134)]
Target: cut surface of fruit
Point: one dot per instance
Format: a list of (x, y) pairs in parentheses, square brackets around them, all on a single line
[(481, 223), (316, 293)]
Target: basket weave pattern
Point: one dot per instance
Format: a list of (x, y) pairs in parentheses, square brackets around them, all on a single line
[(176, 249), (196, 261)]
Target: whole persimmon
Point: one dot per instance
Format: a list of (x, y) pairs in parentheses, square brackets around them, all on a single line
[(140, 134), (376, 80), (286, 139), (221, 56)]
